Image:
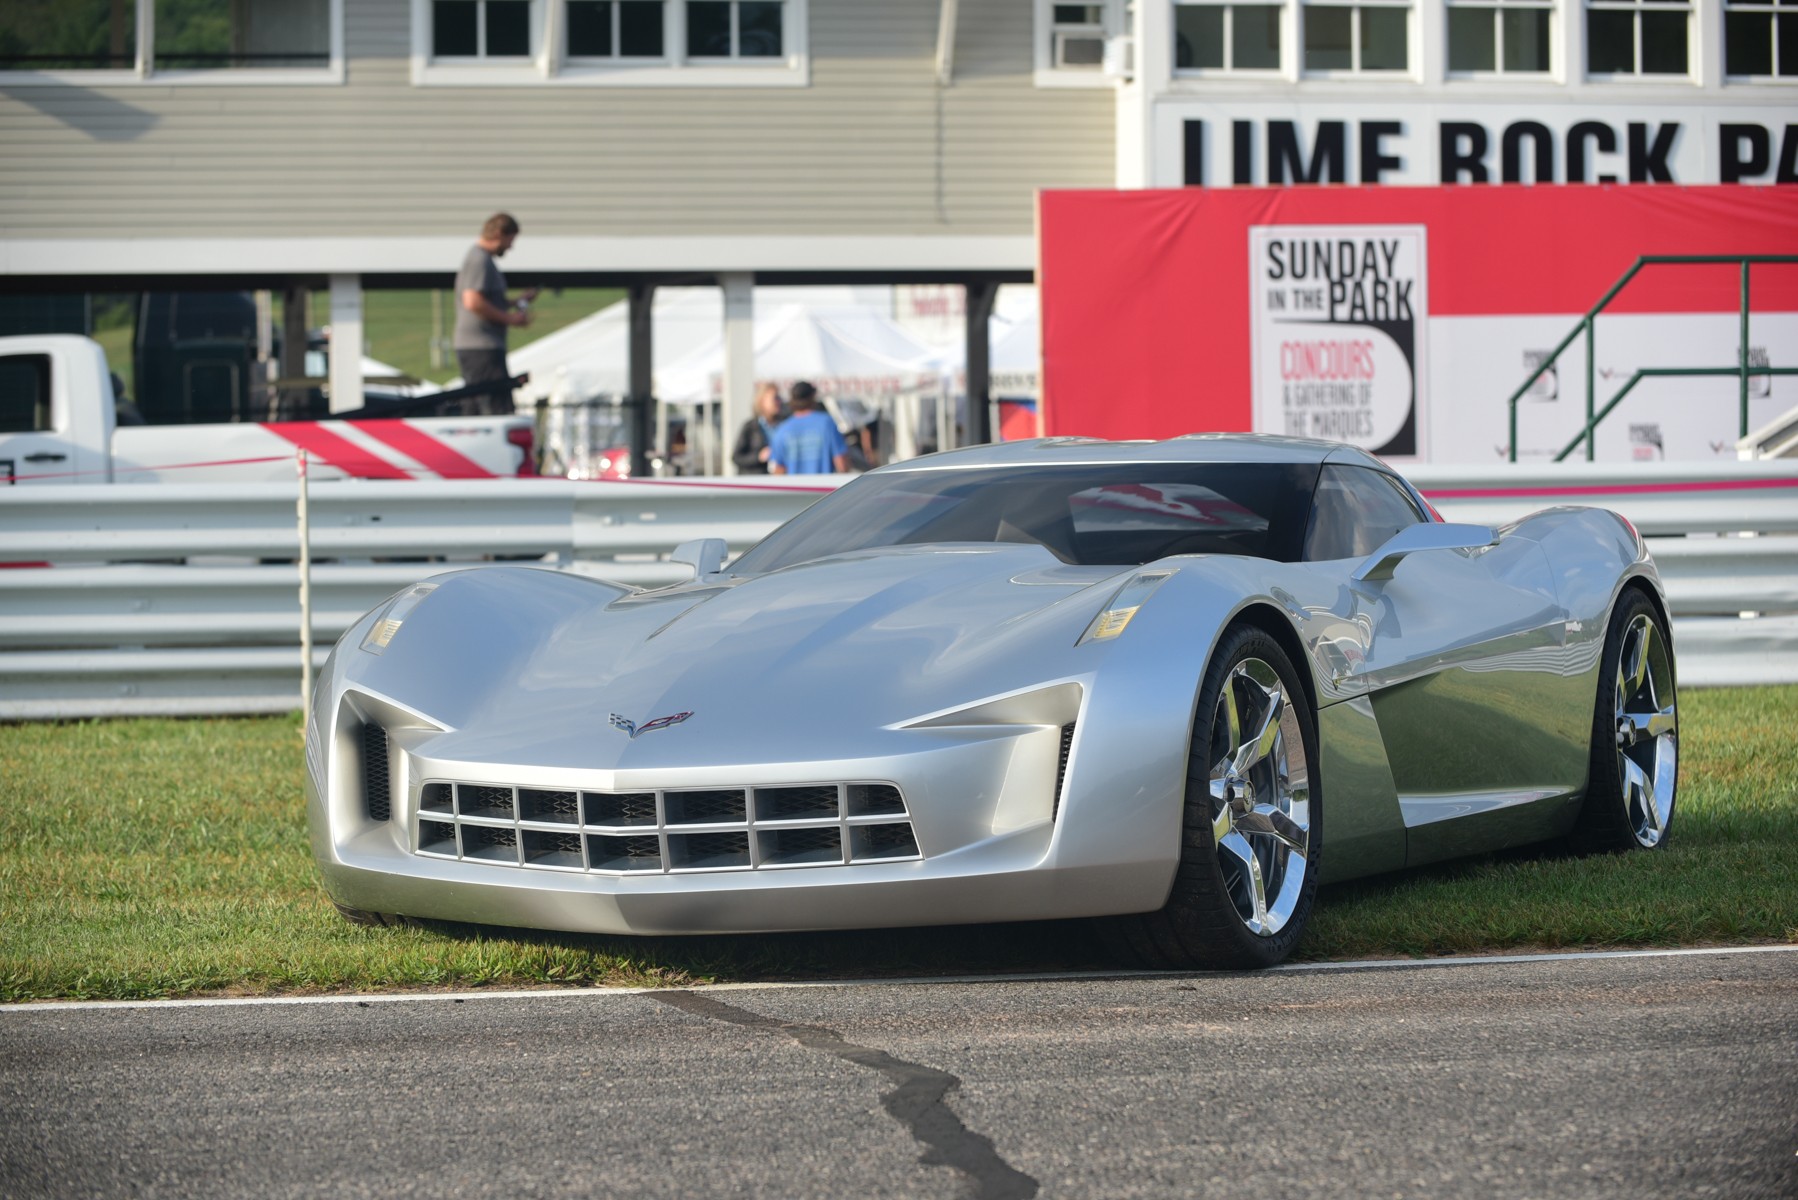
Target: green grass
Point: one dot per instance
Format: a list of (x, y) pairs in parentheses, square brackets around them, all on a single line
[(157, 858)]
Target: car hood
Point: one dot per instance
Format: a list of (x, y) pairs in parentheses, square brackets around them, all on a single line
[(787, 666)]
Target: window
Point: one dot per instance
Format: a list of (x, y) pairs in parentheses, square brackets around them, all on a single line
[(1357, 37), (480, 28), (1077, 37), (1506, 37), (25, 393), (1760, 38), (1227, 37), (610, 43), (212, 34), (62, 35), (733, 29), (1637, 37), (1355, 511), (1073, 41), (615, 29), (1117, 514), (226, 41)]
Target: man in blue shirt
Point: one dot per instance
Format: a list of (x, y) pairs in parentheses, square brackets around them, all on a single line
[(807, 443)]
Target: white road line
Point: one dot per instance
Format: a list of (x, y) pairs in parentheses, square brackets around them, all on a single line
[(1383, 964)]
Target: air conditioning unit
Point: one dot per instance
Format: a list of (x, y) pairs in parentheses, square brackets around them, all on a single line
[(1120, 57), (1080, 50)]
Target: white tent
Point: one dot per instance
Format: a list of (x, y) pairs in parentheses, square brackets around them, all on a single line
[(1015, 358), (844, 340), (590, 358), (859, 355)]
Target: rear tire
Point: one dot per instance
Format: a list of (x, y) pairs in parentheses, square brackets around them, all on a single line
[(1251, 831), (1633, 778)]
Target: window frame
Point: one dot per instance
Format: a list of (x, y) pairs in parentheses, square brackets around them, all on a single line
[(1043, 27), (144, 71), (1772, 10), (736, 55), (572, 61), (44, 407), (1230, 71), (481, 57), (549, 63), (1413, 55), (1690, 8), (1556, 41)]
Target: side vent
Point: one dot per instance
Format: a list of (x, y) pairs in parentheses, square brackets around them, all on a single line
[(377, 778), (1061, 771)]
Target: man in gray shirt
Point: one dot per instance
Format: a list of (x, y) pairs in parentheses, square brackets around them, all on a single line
[(483, 314)]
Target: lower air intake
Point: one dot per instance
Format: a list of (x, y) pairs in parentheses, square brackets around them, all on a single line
[(1061, 771), (377, 773)]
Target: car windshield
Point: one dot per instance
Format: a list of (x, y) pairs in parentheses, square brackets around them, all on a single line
[(1112, 514)]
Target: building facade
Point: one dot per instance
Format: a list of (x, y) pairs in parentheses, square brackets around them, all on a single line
[(664, 135), (183, 136), (270, 143)]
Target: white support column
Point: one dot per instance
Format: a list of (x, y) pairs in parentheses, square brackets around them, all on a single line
[(1137, 160), (346, 343), (739, 359), (945, 43)]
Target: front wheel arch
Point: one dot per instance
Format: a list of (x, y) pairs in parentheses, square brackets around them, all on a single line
[(1271, 796)]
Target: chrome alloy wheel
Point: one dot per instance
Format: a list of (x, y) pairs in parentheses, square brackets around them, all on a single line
[(1647, 730), (1260, 796)]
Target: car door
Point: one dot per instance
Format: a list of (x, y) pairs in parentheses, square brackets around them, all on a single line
[(39, 438), (1466, 671)]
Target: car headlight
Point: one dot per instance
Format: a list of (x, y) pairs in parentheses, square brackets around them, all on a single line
[(394, 615), (1115, 617)]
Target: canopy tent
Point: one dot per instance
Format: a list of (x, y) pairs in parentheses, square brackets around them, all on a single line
[(859, 355), (843, 340), (1015, 356), (590, 358)]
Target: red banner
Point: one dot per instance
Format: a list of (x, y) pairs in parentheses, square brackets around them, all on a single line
[(1168, 312)]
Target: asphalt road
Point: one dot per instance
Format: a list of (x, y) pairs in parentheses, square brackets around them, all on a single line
[(1635, 1076)]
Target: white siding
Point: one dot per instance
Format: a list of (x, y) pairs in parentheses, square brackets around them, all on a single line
[(872, 147)]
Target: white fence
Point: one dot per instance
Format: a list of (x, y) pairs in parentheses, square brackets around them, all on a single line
[(177, 599)]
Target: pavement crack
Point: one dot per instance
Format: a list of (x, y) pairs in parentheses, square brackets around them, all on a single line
[(916, 1101)]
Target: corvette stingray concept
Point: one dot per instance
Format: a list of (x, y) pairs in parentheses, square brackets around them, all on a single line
[(1173, 685)]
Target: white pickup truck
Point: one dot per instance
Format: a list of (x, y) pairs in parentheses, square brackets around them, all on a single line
[(57, 425)]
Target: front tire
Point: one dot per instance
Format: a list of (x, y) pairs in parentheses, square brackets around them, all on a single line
[(1633, 777), (1251, 829)]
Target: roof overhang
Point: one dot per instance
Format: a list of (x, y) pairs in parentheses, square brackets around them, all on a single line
[(60, 264)]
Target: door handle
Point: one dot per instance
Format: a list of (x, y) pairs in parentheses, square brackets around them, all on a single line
[(45, 456)]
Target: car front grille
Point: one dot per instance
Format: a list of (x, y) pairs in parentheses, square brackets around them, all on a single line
[(672, 830)]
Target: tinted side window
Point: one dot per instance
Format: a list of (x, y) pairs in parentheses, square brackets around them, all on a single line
[(1353, 513), (25, 393)]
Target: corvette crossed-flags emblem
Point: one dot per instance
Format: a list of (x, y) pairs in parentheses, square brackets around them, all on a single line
[(631, 727)]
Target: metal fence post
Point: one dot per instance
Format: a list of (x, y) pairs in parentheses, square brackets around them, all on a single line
[(305, 516), (1743, 364), (1591, 350)]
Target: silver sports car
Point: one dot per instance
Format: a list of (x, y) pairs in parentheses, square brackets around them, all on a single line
[(1175, 685)]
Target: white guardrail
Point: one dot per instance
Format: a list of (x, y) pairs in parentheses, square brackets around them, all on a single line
[(183, 599)]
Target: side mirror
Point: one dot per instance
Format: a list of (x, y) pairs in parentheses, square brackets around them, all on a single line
[(1424, 536), (704, 555)]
